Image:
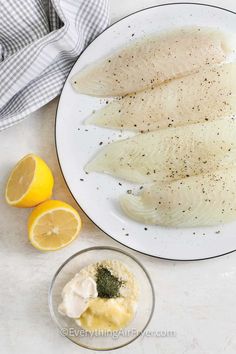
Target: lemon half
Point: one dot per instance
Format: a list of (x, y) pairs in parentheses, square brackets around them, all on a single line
[(30, 182), (52, 225)]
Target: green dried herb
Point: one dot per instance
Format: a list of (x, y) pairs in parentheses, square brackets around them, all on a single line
[(108, 286)]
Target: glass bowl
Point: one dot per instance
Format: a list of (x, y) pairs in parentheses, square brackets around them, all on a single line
[(101, 340)]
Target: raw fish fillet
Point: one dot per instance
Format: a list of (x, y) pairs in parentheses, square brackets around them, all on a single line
[(153, 60), (170, 154), (204, 96), (203, 200)]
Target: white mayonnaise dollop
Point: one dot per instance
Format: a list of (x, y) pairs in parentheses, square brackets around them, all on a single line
[(76, 295)]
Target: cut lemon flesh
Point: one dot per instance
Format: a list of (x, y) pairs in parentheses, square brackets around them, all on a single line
[(53, 225), (30, 182)]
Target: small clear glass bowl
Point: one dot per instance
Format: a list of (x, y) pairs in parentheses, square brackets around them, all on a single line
[(102, 340)]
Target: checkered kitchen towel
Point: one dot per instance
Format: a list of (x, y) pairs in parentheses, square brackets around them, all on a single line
[(39, 42)]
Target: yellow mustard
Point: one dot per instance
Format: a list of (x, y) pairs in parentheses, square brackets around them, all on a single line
[(107, 314)]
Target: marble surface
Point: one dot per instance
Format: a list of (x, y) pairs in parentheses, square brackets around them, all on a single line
[(196, 300)]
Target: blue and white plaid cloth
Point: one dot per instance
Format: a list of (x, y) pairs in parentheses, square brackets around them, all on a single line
[(39, 42)]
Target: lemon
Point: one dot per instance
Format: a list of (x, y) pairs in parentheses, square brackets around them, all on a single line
[(52, 225), (30, 182)]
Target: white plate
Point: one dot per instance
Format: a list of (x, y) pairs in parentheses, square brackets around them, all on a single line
[(97, 194)]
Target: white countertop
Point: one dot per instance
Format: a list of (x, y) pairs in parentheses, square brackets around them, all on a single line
[(194, 299)]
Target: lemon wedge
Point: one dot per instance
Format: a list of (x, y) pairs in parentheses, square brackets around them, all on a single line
[(52, 225), (30, 182)]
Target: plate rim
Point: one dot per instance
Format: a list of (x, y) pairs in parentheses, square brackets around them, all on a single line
[(55, 132)]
